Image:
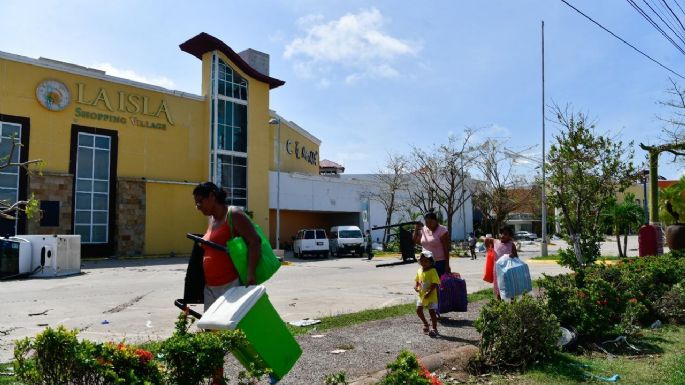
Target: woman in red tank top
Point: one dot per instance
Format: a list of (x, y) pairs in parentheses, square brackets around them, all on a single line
[(219, 271)]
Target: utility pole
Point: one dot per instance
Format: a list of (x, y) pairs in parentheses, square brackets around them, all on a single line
[(543, 246)]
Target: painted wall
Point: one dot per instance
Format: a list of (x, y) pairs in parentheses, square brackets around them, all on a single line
[(293, 143), (175, 152), (170, 214), (315, 194)]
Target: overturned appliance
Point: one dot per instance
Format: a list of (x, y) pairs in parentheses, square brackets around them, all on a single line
[(39, 256)]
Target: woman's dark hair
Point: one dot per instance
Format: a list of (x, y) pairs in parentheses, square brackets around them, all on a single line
[(430, 215), (507, 230), (203, 190)]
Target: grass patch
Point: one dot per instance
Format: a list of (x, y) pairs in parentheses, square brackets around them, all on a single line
[(662, 362), (5, 378), (350, 319)]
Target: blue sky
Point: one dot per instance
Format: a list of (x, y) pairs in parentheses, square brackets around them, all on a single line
[(372, 77)]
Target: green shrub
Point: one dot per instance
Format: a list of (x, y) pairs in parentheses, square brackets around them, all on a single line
[(515, 335), (56, 357), (592, 307), (407, 369), (605, 301), (339, 378), (191, 358), (671, 306)]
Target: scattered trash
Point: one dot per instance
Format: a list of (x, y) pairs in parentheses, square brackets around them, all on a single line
[(292, 304), (408, 342), (589, 375), (104, 322), (613, 378), (623, 339), (338, 351), (657, 324), (44, 312), (148, 324), (305, 322), (42, 325), (318, 336), (567, 339)]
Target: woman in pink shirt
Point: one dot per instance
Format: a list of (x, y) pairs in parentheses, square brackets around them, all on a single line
[(434, 238)]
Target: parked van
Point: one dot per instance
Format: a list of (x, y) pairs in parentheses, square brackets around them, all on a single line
[(311, 242), (346, 240)]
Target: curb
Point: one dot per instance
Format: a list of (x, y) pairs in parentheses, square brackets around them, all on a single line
[(432, 362)]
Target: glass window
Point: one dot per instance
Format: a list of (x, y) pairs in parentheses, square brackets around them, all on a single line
[(233, 178), (9, 176), (309, 235), (92, 188), (320, 234), (350, 234), (230, 83), (230, 130)]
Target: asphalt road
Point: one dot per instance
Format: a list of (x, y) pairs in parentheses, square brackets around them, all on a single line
[(133, 299)]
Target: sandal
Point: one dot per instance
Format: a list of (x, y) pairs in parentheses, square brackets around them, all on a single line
[(433, 333), (426, 329)]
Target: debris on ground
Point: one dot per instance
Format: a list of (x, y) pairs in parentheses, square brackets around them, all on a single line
[(305, 322)]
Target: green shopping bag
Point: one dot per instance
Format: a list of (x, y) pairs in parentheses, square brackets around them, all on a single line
[(237, 248)]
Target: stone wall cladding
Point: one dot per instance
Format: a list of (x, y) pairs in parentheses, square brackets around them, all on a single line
[(130, 220), (52, 187)]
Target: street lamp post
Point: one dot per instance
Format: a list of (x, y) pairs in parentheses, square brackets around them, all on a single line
[(276, 121), (543, 246), (514, 156)]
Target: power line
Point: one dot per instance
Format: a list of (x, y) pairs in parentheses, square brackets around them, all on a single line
[(678, 4), (654, 24), (668, 25), (622, 40), (668, 16), (674, 14)]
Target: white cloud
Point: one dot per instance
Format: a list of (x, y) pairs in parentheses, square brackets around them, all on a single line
[(132, 75), (355, 42)]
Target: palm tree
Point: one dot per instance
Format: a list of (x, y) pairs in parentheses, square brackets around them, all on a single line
[(623, 217)]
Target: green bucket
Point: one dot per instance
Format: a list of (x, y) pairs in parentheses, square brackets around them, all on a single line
[(249, 310)]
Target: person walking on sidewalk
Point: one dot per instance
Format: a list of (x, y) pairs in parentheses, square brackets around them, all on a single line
[(435, 238), (503, 246), (368, 244), (219, 272), (426, 284), (472, 245)]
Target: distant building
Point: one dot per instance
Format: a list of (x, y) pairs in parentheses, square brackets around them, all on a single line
[(327, 167)]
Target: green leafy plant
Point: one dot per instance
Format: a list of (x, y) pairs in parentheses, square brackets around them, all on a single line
[(339, 378), (672, 195), (407, 369), (590, 307), (623, 218), (56, 357), (191, 358), (515, 335), (606, 301), (585, 171), (671, 306)]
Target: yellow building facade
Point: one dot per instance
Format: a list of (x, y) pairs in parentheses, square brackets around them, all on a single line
[(121, 158)]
